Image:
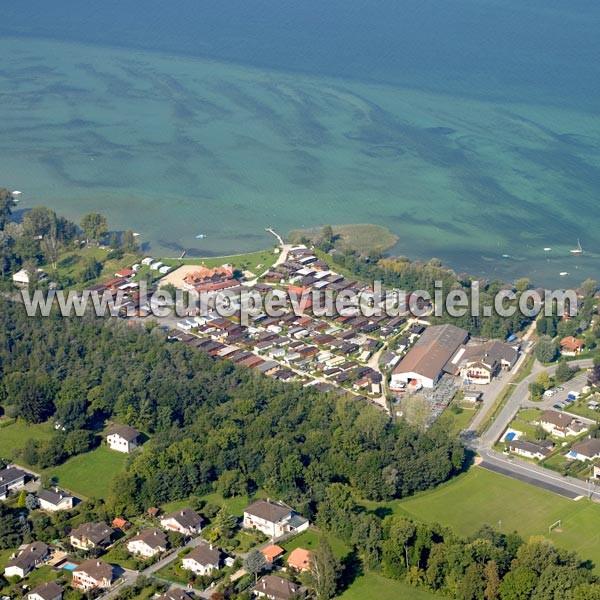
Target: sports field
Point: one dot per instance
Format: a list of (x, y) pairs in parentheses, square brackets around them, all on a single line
[(480, 496)]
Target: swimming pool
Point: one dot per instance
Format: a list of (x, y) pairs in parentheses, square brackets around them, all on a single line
[(69, 566)]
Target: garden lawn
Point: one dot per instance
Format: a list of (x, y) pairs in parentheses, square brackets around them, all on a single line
[(479, 497), (309, 540), (14, 437), (371, 585), (90, 474)]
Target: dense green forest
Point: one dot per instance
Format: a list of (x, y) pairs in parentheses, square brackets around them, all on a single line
[(210, 422)]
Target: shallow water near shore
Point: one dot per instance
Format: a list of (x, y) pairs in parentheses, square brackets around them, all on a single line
[(173, 146)]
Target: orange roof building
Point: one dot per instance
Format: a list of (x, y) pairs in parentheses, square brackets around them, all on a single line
[(272, 553), (299, 559), (571, 345)]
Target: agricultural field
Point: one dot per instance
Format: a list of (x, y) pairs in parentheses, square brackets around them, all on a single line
[(481, 497), (89, 474)]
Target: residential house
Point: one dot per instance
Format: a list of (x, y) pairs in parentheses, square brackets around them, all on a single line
[(29, 557), (53, 500), (273, 519), (185, 521), (585, 450), (571, 346), (21, 277), (174, 594), (277, 588), (47, 591), (148, 543), (273, 553), (92, 535), (92, 574), (11, 479), (480, 370), (299, 559), (560, 424), (123, 439), (203, 560), (530, 449)]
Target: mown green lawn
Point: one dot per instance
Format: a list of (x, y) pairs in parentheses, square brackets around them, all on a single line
[(14, 437), (266, 258), (479, 497), (371, 585), (309, 540), (90, 474)]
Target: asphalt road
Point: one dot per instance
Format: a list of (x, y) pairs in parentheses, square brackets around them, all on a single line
[(519, 469)]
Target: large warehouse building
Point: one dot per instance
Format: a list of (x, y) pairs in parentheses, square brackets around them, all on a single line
[(430, 357)]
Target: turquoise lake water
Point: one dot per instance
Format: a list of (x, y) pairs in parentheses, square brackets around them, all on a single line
[(469, 128)]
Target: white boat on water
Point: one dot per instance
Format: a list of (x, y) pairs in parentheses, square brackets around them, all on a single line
[(578, 250), (200, 236), (506, 256), (547, 249), (17, 193), (563, 273)]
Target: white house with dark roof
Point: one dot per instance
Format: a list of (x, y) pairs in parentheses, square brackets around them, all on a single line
[(174, 594), (47, 591), (585, 450), (11, 479), (123, 439), (92, 573), (185, 521), (53, 500), (273, 519), (148, 543), (92, 535), (27, 559), (277, 588), (203, 560)]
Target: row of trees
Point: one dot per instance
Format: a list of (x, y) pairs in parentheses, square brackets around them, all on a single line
[(485, 566)]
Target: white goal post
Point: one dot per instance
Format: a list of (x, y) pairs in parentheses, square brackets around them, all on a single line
[(556, 524)]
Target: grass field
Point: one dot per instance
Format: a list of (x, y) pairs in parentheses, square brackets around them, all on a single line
[(360, 237), (14, 437), (70, 263), (309, 540), (479, 497), (371, 585), (90, 474), (241, 261)]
